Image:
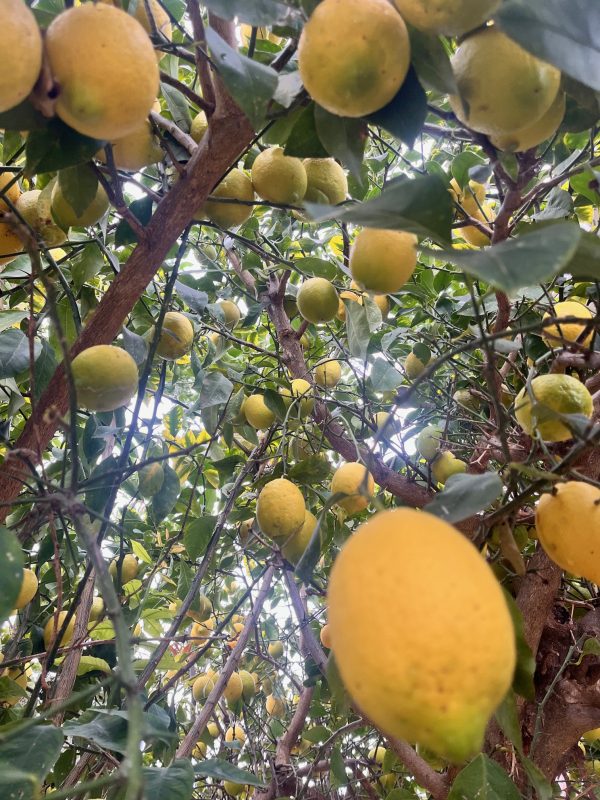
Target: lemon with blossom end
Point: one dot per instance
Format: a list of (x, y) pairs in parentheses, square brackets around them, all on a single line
[(275, 706), (106, 377), (176, 336), (295, 546), (445, 465), (66, 216), (326, 181), (50, 631), (300, 395), (129, 568), (533, 135), (235, 733), (280, 510), (553, 395)]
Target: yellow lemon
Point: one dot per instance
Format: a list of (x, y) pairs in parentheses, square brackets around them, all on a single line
[(472, 234), (567, 332), (413, 366), (382, 261), (50, 630), (450, 17), (199, 750), (351, 295), (328, 374), (567, 521), (248, 685), (234, 688), (106, 377), (36, 212), (176, 336), (28, 589), (234, 789), (326, 181), (354, 480), (325, 636), (275, 649), (317, 300), (298, 542), (445, 465), (437, 675), (97, 609), (236, 185), (278, 178), (428, 442), (231, 313), (105, 67), (553, 395), (353, 55), (502, 87), (301, 395), (377, 754), (199, 126), (13, 193), (235, 733), (536, 133), (20, 54), (66, 216), (202, 687), (280, 510), (135, 150), (257, 413), (275, 706), (129, 568)]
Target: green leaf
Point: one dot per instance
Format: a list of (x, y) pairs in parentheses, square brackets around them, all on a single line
[(431, 62), (559, 205), (274, 402), (178, 106), (33, 750), (357, 329), (337, 768), (194, 299), (343, 138), (86, 265), (525, 669), (563, 33), (304, 141), (10, 318), (164, 501), (135, 345), (585, 262), (312, 470), (44, 369), (538, 780), (175, 781), (14, 352), (197, 535), (19, 784), (507, 718), (186, 577), (318, 267), (250, 83), (461, 165), (100, 483), (483, 779), (464, 495), (254, 12), (23, 117), (109, 728), (78, 186), (11, 571), (142, 211), (404, 116), (421, 205), (384, 376), (225, 771), (525, 261), (216, 390), (57, 146)]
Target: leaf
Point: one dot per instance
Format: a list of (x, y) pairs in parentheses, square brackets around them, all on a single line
[(10, 318), (33, 750), (44, 369), (175, 781), (186, 577), (178, 106), (431, 62), (343, 138), (100, 483), (404, 116), (14, 352), (421, 205), (250, 83), (384, 376), (23, 117), (507, 718), (525, 669), (197, 535), (109, 728), (465, 495), (337, 769), (318, 267), (462, 164), (585, 262), (164, 501), (274, 402), (559, 205), (18, 784), (57, 146), (254, 12), (86, 265), (312, 470), (11, 571), (140, 551), (78, 186), (135, 345), (88, 664), (357, 329), (194, 299), (225, 771), (483, 779), (216, 390), (566, 34), (304, 141), (142, 211), (525, 261)]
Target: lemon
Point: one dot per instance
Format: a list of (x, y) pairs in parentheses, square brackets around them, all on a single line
[(36, 212), (51, 630), (295, 546), (502, 87), (278, 178), (234, 689), (353, 55), (280, 510), (236, 185), (445, 465), (105, 66), (317, 300), (66, 216), (413, 366), (199, 126), (19, 676), (328, 374), (150, 479), (97, 609), (234, 789), (106, 377), (591, 736), (438, 673), (13, 193), (160, 20), (428, 442), (248, 685), (257, 413), (202, 630), (129, 568), (561, 333), (275, 706), (377, 754), (231, 313), (275, 649), (202, 687), (301, 395), (199, 751), (464, 398), (554, 394), (135, 150), (176, 336), (325, 636), (20, 54), (326, 181), (536, 133), (235, 733), (28, 589), (472, 234), (353, 297), (567, 521), (204, 609), (451, 17), (354, 480), (382, 261), (471, 197)]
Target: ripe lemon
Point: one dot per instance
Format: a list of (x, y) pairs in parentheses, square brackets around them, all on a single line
[(234, 789), (326, 181), (104, 64), (413, 366), (382, 261), (34, 207), (317, 300), (278, 178), (160, 21), (66, 216), (176, 336), (559, 333), (275, 706), (377, 754), (567, 522), (199, 751), (13, 193), (354, 296), (199, 126), (50, 630), (438, 673), (231, 313), (536, 133), (275, 649), (428, 442), (129, 568), (554, 394), (202, 687), (451, 17), (97, 609), (295, 546), (236, 185), (136, 150), (280, 510), (325, 636), (106, 377), (28, 589), (446, 465), (257, 413), (503, 88), (235, 733), (248, 685), (353, 55), (471, 197), (234, 688), (328, 374), (301, 395), (20, 54), (472, 234), (357, 482)]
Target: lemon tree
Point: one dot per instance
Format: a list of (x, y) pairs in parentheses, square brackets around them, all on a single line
[(299, 399)]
